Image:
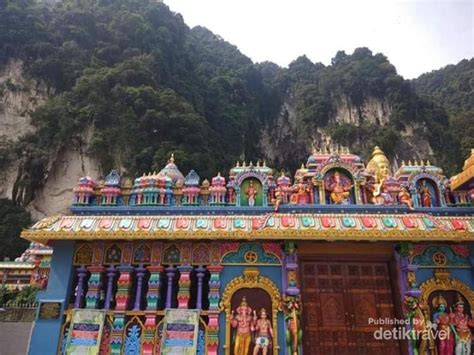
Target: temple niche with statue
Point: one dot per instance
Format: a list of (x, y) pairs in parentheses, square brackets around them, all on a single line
[(255, 261)]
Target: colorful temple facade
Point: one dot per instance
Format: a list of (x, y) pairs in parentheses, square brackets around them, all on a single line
[(325, 262), (31, 268)]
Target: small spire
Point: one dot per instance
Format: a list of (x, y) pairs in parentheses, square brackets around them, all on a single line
[(258, 163), (403, 163), (422, 163), (171, 160), (244, 164), (428, 163), (409, 163), (237, 164), (264, 164)]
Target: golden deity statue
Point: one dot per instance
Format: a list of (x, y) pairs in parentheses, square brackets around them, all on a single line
[(380, 166), (242, 321)]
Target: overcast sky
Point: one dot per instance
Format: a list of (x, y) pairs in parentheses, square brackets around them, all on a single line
[(416, 36)]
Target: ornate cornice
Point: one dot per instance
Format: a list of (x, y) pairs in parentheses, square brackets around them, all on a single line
[(270, 226)]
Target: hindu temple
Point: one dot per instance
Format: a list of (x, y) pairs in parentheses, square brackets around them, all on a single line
[(345, 256)]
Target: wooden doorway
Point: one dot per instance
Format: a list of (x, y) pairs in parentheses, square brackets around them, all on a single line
[(339, 297)]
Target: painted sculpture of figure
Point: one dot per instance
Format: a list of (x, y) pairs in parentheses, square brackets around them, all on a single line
[(420, 328), (381, 195), (263, 333), (294, 333), (405, 198), (380, 167), (251, 193), (425, 195), (242, 322), (278, 200), (300, 193), (339, 189), (462, 324), (442, 324)]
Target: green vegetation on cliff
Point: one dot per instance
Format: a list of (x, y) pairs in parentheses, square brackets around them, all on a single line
[(130, 82), (13, 219), (453, 88)]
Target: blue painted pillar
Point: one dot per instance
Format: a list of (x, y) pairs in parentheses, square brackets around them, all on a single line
[(46, 333)]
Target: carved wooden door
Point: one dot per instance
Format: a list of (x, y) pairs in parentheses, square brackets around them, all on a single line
[(338, 300)]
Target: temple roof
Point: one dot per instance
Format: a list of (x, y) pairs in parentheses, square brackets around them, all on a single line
[(172, 171), (466, 178), (270, 226)]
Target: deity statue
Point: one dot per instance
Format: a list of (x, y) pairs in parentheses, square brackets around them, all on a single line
[(340, 189), (264, 332), (294, 333), (442, 324), (380, 167), (251, 193), (462, 324), (405, 198), (278, 200), (300, 193), (381, 196), (420, 328), (425, 195), (242, 322)]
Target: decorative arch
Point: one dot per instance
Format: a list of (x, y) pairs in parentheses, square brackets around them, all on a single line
[(201, 254), (133, 336), (113, 254), (172, 255), (413, 179), (443, 282), (84, 254), (250, 174), (434, 180), (251, 279), (345, 170), (142, 253), (339, 165)]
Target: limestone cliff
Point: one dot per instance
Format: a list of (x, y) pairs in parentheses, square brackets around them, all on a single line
[(56, 195), (283, 140), (20, 95)]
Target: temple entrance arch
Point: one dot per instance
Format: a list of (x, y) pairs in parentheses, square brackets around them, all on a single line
[(443, 284), (257, 289)]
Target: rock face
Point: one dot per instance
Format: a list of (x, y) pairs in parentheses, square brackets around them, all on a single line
[(19, 97), (283, 140), (57, 193), (373, 111)]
